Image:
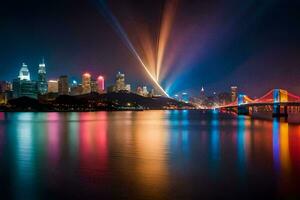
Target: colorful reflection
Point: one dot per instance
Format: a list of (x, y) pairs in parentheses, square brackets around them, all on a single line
[(150, 138), (54, 135), (24, 157), (281, 150), (147, 155), (93, 146), (2, 136), (215, 140), (243, 141), (2, 116)]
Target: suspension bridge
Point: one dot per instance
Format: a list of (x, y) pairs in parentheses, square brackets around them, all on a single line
[(277, 102)]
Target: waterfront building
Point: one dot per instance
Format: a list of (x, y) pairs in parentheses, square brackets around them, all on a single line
[(120, 82), (24, 73), (23, 86), (52, 86), (63, 85), (86, 83), (151, 93), (76, 90), (41, 82), (145, 91), (234, 92), (127, 88), (94, 86), (101, 84)]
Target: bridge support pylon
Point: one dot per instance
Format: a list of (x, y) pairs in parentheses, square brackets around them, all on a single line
[(243, 110), (277, 112)]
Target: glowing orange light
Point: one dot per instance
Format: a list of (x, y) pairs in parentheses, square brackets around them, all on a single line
[(87, 75), (165, 30)]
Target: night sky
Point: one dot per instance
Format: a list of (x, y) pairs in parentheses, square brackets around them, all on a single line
[(254, 44)]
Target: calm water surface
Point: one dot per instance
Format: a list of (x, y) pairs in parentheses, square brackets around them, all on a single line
[(147, 155)]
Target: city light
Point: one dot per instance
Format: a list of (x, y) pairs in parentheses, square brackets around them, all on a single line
[(100, 81), (88, 75)]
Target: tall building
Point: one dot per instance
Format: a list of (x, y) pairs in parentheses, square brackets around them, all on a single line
[(94, 86), (24, 73), (23, 86), (202, 97), (202, 92), (86, 83), (5, 91), (101, 84), (52, 86), (63, 85), (234, 92), (145, 91), (42, 82), (120, 82), (127, 88)]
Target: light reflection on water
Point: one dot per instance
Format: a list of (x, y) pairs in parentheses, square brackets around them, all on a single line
[(147, 155)]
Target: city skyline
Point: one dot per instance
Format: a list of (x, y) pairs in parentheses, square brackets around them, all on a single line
[(150, 99), (252, 45)]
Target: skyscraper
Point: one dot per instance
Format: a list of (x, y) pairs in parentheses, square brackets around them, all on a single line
[(24, 73), (101, 84), (63, 85), (145, 91), (120, 82), (23, 86), (234, 91), (86, 83), (42, 83), (94, 86)]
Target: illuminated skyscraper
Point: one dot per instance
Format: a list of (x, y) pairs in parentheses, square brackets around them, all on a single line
[(23, 86), (120, 82), (63, 85), (234, 91), (127, 88), (202, 92), (101, 84), (94, 86), (86, 83), (52, 86), (24, 73), (42, 83), (145, 91)]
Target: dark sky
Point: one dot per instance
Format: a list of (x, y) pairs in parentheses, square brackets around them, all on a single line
[(254, 44)]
